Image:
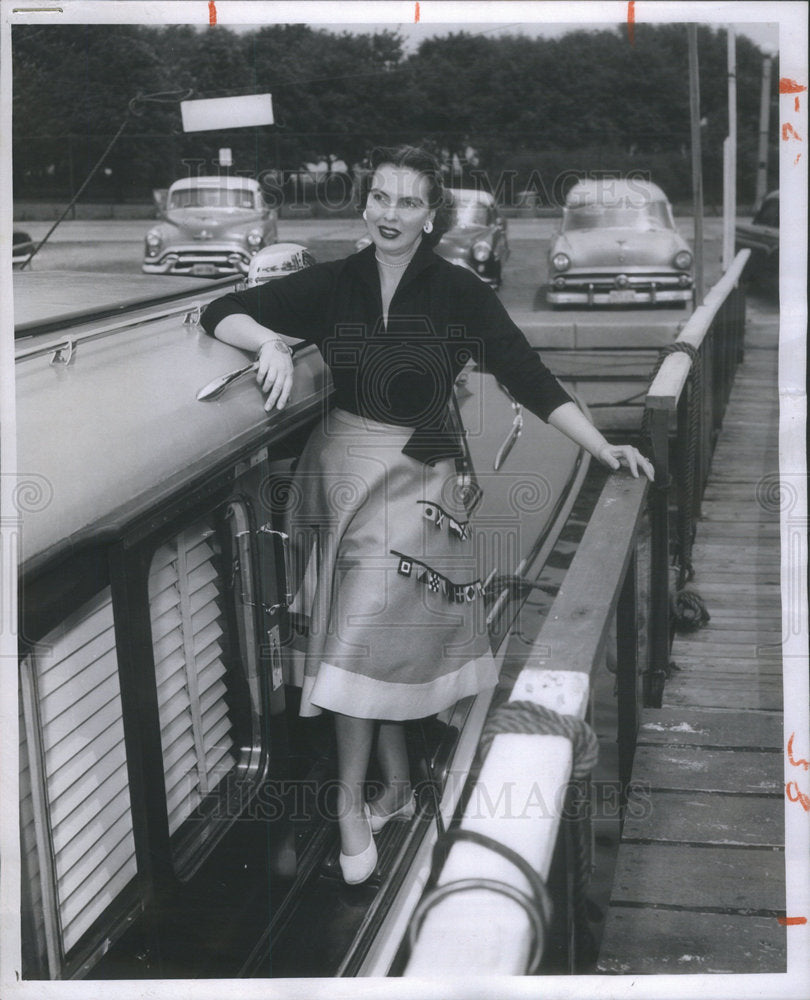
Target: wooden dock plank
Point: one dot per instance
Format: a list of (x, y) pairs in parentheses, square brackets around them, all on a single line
[(701, 878), (716, 560), (681, 817), (638, 942), (741, 772), (756, 659), (715, 728), (700, 874), (730, 695), (762, 628)]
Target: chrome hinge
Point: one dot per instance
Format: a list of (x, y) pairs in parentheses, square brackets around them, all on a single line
[(286, 600), (62, 354)]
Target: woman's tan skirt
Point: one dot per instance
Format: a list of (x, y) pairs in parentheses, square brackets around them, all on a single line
[(388, 615)]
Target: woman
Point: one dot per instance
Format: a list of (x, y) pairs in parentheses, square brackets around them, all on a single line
[(389, 628)]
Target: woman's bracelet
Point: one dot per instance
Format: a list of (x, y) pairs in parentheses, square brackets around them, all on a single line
[(280, 346)]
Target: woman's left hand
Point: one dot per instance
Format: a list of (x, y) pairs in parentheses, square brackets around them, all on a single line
[(617, 455)]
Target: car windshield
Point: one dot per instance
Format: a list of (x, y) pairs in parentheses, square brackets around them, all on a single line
[(469, 213), (654, 215), (206, 197)]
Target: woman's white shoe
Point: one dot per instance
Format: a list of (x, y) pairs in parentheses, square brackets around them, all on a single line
[(404, 812), (357, 868)]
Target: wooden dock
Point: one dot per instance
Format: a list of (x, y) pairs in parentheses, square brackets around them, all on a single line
[(700, 876)]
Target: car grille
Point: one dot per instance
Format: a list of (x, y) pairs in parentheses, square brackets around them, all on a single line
[(639, 282), (228, 260)]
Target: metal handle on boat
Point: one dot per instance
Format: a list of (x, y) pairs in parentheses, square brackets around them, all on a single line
[(509, 443), (220, 384), (514, 433)]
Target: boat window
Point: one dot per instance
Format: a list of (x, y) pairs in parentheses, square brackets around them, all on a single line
[(189, 640), (76, 819)]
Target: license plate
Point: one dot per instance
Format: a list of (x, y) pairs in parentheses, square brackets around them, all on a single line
[(622, 295), (204, 270)]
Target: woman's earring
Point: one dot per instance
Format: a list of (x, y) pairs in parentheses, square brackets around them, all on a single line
[(428, 226), (365, 217)]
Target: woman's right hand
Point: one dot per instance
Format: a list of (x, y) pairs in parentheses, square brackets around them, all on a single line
[(275, 372)]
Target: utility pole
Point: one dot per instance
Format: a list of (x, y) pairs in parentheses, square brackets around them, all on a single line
[(764, 124), (697, 168), (730, 156)]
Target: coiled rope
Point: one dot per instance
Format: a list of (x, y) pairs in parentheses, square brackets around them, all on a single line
[(528, 717), (522, 716), (687, 608), (537, 905), (688, 611), (677, 347)]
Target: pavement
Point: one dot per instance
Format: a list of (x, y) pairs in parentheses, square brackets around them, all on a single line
[(301, 230)]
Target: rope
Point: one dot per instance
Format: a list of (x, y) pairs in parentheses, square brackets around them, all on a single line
[(687, 486), (688, 611), (678, 347), (685, 523), (538, 905), (466, 884), (528, 717), (580, 862)]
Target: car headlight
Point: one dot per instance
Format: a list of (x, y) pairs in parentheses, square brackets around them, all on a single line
[(481, 251), (255, 238), (683, 260), (561, 262), (153, 240)]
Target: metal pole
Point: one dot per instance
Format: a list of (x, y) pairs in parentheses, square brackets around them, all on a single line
[(627, 675), (659, 562), (161, 97), (730, 157), (697, 170), (77, 195), (764, 123)]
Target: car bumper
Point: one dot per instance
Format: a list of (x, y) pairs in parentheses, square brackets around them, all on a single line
[(486, 271), (603, 290), (213, 262)]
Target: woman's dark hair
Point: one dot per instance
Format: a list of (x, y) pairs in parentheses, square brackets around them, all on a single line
[(422, 163)]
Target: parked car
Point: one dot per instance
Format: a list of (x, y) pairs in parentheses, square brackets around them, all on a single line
[(761, 237), (477, 237), (618, 245), (22, 245), (212, 226), (175, 811)]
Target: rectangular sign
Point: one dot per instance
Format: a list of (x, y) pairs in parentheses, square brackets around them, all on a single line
[(227, 112)]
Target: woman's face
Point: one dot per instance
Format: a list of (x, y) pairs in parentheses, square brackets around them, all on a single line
[(397, 208)]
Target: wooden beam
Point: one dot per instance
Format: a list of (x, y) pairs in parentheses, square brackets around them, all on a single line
[(518, 797)]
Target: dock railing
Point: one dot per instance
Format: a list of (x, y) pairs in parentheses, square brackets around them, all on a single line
[(488, 912), (487, 909), (684, 410)]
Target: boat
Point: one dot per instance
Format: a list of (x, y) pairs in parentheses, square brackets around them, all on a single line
[(176, 813)]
